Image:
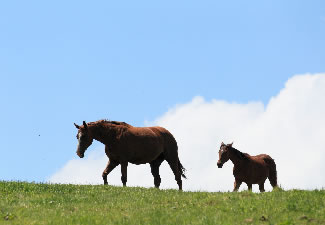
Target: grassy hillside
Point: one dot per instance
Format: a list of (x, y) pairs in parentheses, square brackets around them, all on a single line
[(29, 203)]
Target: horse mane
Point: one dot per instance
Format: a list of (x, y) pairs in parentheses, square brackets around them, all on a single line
[(240, 155), (105, 125), (105, 122), (118, 123)]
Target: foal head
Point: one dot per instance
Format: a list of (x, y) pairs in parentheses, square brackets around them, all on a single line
[(84, 139), (223, 154)]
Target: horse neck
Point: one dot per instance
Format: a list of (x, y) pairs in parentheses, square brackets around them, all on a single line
[(103, 134), (233, 156)]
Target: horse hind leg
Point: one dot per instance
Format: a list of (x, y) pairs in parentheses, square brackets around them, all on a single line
[(155, 164)]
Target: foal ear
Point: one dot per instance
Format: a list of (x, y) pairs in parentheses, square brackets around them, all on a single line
[(77, 126), (222, 143), (231, 144), (85, 125)]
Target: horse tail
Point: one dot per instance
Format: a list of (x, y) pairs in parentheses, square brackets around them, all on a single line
[(273, 177), (171, 148), (181, 169)]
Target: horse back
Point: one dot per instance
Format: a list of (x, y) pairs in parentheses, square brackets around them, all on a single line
[(156, 134), (170, 143), (264, 157), (168, 137), (268, 161), (260, 159)]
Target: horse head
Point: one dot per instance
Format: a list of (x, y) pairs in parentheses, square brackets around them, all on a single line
[(84, 139), (223, 154)]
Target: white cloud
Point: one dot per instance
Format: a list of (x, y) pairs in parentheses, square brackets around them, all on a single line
[(291, 129)]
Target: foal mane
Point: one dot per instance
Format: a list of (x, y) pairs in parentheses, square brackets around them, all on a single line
[(240, 155)]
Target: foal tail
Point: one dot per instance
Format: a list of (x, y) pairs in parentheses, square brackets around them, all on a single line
[(181, 169), (273, 178)]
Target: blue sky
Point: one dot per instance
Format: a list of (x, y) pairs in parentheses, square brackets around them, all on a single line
[(67, 61)]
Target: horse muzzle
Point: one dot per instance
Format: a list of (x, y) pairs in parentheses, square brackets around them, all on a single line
[(81, 155), (219, 164)]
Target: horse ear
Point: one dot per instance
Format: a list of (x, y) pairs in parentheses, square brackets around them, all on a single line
[(77, 126), (85, 125), (222, 143), (231, 144)]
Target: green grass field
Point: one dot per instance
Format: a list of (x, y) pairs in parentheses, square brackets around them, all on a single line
[(29, 203)]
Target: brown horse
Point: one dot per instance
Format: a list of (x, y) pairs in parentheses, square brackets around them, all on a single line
[(127, 144), (248, 169)]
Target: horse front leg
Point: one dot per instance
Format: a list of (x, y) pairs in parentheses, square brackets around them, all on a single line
[(110, 166), (237, 185), (124, 169)]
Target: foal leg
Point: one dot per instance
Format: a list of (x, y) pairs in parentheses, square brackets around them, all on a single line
[(110, 166), (237, 185), (124, 168), (155, 169)]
